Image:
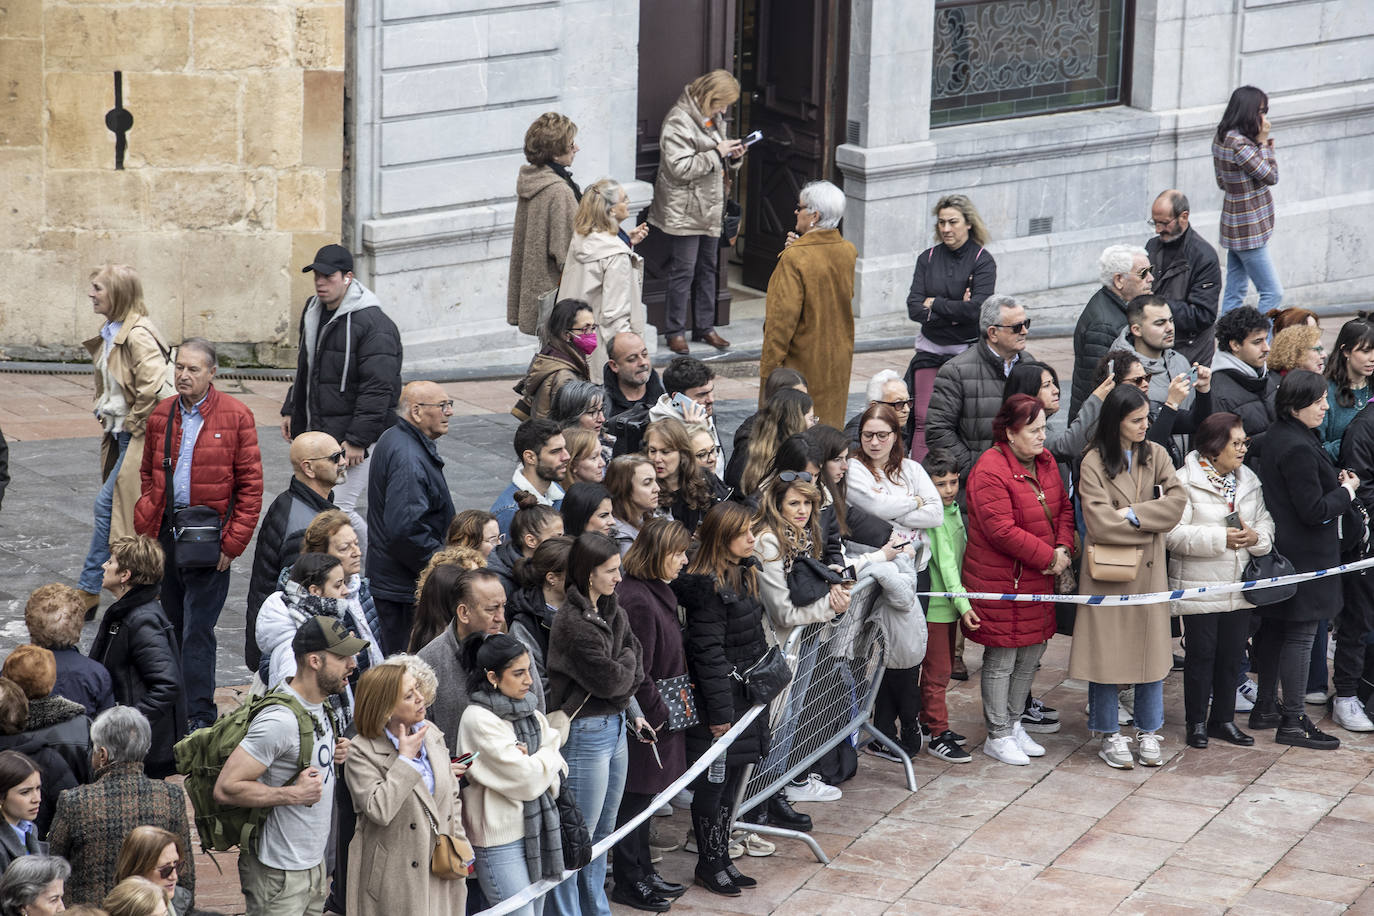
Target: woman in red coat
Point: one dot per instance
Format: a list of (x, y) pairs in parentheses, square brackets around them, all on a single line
[(1020, 534)]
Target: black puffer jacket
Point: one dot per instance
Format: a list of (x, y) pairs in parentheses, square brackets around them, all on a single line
[(279, 543), (692, 517), (945, 275), (348, 380), (1093, 336), (966, 398), (724, 633), (136, 643), (1239, 391), (529, 619)]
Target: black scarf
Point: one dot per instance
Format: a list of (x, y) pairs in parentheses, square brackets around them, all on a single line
[(562, 171)]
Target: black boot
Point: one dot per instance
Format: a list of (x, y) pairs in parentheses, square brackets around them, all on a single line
[(1298, 731), (1197, 734), (782, 814), (713, 855), (738, 878), (1265, 715)]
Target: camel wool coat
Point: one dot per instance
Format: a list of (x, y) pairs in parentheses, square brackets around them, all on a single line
[(138, 360), (1114, 644), (388, 860), (808, 320)]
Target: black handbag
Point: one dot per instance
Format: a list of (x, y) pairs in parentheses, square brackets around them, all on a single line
[(577, 839), (195, 530), (1268, 566), (733, 216), (765, 678), (681, 702), (809, 580)]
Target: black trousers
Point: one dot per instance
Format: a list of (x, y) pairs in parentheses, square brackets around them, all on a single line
[(1353, 625), (1216, 646), (898, 701), (395, 618), (345, 824), (631, 861), (1283, 651)]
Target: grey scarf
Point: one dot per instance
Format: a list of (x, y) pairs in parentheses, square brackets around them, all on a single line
[(543, 830)]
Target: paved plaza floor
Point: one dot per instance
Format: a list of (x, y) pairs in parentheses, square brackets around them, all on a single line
[(1243, 830)]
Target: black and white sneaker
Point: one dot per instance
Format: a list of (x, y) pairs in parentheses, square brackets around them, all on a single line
[(958, 738), (1040, 718), (945, 747), (878, 749)]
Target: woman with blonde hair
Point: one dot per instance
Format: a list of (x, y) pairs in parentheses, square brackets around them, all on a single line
[(1298, 346), (131, 358), (689, 203), (154, 857), (137, 897), (545, 200), (586, 458), (602, 267), (400, 776)]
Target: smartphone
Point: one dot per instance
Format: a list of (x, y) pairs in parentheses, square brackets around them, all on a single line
[(848, 576), (753, 138), (1233, 520), (467, 758), (1192, 375), (1159, 491), (683, 402), (897, 546)]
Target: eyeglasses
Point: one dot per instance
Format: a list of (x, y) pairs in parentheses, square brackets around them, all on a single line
[(903, 404), (445, 406), (790, 476), (708, 454), (1143, 272), (881, 435), (1019, 328), (335, 458), (585, 329), (1161, 224), (165, 871), (1242, 444), (495, 541)]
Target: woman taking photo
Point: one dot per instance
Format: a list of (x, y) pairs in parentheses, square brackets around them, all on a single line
[(1131, 498), (789, 527), (131, 360), (476, 529), (513, 780), (530, 611), (586, 457), (137, 644), (587, 507), (156, 856), (1020, 536), (545, 204), (948, 287), (646, 596), (723, 635), (689, 204), (685, 489), (602, 267), (1307, 497), (569, 336), (1224, 524), (1245, 167), (634, 496), (399, 775), (34, 887), (594, 670)]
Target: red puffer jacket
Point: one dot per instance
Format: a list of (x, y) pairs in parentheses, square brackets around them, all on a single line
[(1011, 542), (226, 459)]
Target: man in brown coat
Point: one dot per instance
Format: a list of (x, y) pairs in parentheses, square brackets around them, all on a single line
[(545, 203), (809, 319)]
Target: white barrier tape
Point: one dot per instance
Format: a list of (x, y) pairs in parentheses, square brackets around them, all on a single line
[(1182, 594), (720, 746)]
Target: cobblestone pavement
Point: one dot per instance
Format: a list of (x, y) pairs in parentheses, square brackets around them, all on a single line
[(1242, 830)]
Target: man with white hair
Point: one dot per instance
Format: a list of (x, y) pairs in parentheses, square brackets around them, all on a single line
[(809, 318), (1125, 273), (885, 387)]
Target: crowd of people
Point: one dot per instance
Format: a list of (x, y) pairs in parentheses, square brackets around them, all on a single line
[(445, 692)]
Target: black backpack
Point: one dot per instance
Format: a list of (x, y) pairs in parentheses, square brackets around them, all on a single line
[(628, 429)]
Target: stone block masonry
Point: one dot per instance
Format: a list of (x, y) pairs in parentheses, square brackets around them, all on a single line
[(236, 145)]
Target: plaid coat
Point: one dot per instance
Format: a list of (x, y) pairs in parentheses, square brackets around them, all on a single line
[(92, 821), (1244, 171)]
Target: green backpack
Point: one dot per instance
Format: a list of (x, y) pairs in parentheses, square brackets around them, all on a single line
[(201, 755)]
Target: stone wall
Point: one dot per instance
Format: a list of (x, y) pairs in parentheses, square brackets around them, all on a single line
[(231, 178)]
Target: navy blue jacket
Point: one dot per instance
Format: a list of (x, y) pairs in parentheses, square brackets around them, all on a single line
[(409, 509)]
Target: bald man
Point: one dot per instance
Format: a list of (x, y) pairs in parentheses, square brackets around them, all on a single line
[(409, 507), (1187, 274), (318, 464)]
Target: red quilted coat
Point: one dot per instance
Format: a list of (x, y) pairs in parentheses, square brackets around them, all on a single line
[(226, 459), (1011, 541)]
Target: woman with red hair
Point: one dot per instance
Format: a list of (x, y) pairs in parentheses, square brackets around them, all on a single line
[(1020, 535)]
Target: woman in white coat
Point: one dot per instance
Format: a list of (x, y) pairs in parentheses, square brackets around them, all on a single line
[(602, 268), (1224, 524)]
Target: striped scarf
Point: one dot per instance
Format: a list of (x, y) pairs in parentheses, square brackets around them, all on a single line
[(1224, 483)]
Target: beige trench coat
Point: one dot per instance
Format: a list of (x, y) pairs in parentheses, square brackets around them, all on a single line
[(604, 272), (138, 361), (1131, 644), (388, 860)]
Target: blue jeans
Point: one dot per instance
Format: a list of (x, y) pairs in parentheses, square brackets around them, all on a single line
[(1252, 266), (502, 873), (92, 574), (597, 756), (193, 599), (1102, 703)]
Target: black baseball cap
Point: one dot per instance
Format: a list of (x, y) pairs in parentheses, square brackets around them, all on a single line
[(330, 260), (326, 634)]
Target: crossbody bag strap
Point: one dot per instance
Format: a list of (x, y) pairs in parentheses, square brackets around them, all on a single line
[(167, 463)]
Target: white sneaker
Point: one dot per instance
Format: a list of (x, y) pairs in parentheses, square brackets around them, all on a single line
[(1150, 753), (1349, 714), (754, 845), (813, 790), (682, 800), (1125, 707), (1025, 742), (1317, 697), (1116, 751), (665, 811), (1246, 694), (1006, 750)]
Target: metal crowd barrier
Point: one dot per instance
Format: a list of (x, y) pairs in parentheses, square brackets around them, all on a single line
[(837, 666)]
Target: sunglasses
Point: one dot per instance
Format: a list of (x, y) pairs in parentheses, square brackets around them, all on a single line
[(1018, 328), (165, 871), (789, 476), (336, 457), (904, 403), (1144, 272)]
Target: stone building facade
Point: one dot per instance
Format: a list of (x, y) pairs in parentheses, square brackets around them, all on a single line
[(230, 180)]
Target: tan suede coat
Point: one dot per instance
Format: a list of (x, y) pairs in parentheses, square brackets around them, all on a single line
[(808, 320)]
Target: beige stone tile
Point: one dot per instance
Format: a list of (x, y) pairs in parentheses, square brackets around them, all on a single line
[(320, 37), (300, 200), (1238, 764), (857, 884), (1291, 776), (1154, 817), (76, 134), (898, 847), (1336, 847), (1194, 885), (907, 907), (1060, 891), (1076, 793), (1143, 903), (1260, 901), (1355, 808), (979, 882), (1236, 849), (21, 19), (1321, 885), (98, 37), (21, 189), (1211, 790), (241, 37), (97, 198), (1357, 763), (807, 902), (1028, 834), (957, 801), (1118, 855), (1271, 806), (322, 122), (175, 130)]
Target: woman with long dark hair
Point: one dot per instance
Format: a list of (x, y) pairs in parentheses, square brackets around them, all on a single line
[(569, 336), (1131, 499), (587, 507), (1243, 159), (788, 413), (1347, 381), (685, 489), (634, 496)]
